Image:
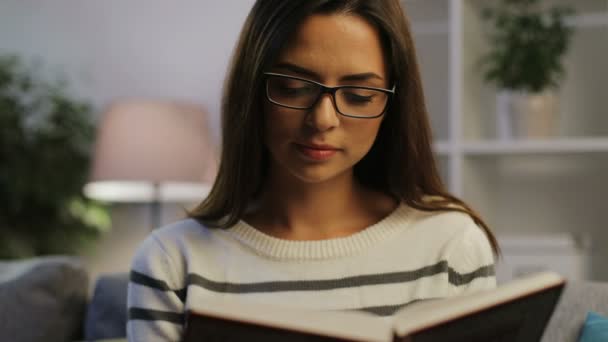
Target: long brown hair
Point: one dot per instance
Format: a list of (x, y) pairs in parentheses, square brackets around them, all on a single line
[(400, 162)]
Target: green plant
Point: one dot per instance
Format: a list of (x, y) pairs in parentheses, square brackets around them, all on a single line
[(45, 143), (527, 43)]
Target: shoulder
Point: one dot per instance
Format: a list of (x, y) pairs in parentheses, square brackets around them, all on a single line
[(459, 239), (167, 250), (173, 235), (447, 224), (462, 246), (182, 230)]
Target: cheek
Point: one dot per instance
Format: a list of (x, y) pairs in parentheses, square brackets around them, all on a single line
[(279, 125), (362, 136)]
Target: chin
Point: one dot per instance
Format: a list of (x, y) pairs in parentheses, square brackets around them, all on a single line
[(307, 172), (318, 175)]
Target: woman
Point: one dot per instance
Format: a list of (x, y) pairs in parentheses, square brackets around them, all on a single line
[(328, 196)]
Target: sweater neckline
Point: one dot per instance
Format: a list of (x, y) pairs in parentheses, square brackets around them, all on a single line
[(278, 248)]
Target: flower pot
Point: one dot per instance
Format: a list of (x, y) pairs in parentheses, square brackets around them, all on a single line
[(522, 114)]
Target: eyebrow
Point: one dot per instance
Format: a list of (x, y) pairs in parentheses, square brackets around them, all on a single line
[(306, 72)]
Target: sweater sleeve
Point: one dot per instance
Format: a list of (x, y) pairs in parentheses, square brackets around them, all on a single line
[(471, 262), (156, 295)]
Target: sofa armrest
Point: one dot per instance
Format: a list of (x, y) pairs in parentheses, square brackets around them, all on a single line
[(42, 299), (107, 312), (577, 299)]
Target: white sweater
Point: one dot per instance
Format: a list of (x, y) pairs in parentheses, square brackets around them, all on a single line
[(409, 255)]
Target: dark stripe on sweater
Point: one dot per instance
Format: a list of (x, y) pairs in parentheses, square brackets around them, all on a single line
[(454, 278), (155, 315), (458, 279), (389, 310), (317, 285), (330, 284), (386, 310), (142, 279)]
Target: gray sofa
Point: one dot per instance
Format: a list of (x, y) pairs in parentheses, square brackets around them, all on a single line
[(577, 299), (46, 299)]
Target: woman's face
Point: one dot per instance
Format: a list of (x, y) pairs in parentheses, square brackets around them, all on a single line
[(319, 144)]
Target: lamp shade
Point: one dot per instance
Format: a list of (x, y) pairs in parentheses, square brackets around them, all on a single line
[(152, 151)]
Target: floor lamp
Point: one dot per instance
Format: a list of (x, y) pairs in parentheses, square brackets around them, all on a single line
[(152, 152)]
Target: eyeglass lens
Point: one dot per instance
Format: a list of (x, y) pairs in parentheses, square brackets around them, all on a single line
[(301, 94)]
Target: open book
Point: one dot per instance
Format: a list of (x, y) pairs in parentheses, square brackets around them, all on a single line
[(516, 312)]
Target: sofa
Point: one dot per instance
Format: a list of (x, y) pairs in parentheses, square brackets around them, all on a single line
[(46, 299)]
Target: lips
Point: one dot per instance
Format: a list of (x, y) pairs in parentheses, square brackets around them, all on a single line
[(316, 152)]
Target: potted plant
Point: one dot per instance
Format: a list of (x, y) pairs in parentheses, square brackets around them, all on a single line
[(527, 44), (45, 142)]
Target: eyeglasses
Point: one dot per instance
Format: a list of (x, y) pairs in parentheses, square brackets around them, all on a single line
[(352, 101)]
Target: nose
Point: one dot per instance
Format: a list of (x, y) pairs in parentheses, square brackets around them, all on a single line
[(323, 116)]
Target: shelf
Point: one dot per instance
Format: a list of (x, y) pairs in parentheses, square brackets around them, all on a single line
[(441, 147), (549, 146), (542, 186), (588, 20)]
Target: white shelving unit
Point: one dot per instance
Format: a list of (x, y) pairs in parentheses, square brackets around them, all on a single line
[(552, 185)]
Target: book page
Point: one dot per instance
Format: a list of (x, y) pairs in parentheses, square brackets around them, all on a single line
[(355, 326), (427, 314)]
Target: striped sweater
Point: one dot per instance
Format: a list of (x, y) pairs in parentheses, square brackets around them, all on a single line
[(409, 255)]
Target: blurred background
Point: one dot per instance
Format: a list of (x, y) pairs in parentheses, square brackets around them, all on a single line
[(105, 54), (521, 127)]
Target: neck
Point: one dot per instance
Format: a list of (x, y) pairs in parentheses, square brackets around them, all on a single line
[(297, 210)]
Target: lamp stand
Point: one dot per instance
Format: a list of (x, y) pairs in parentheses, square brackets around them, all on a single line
[(155, 207)]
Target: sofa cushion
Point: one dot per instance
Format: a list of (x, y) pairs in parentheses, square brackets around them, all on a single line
[(595, 328), (42, 299), (576, 301), (107, 311)]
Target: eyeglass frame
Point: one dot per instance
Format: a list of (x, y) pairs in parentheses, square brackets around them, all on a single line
[(329, 90)]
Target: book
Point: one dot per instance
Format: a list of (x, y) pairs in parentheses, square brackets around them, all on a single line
[(517, 311)]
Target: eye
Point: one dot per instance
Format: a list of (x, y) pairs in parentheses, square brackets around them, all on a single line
[(291, 87), (358, 96), (294, 91)]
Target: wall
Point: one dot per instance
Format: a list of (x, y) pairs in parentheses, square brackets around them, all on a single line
[(116, 49)]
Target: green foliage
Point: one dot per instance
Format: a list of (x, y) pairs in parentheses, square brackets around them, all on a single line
[(527, 45), (45, 143)]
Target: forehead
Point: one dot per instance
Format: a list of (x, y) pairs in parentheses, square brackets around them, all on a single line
[(333, 45)]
